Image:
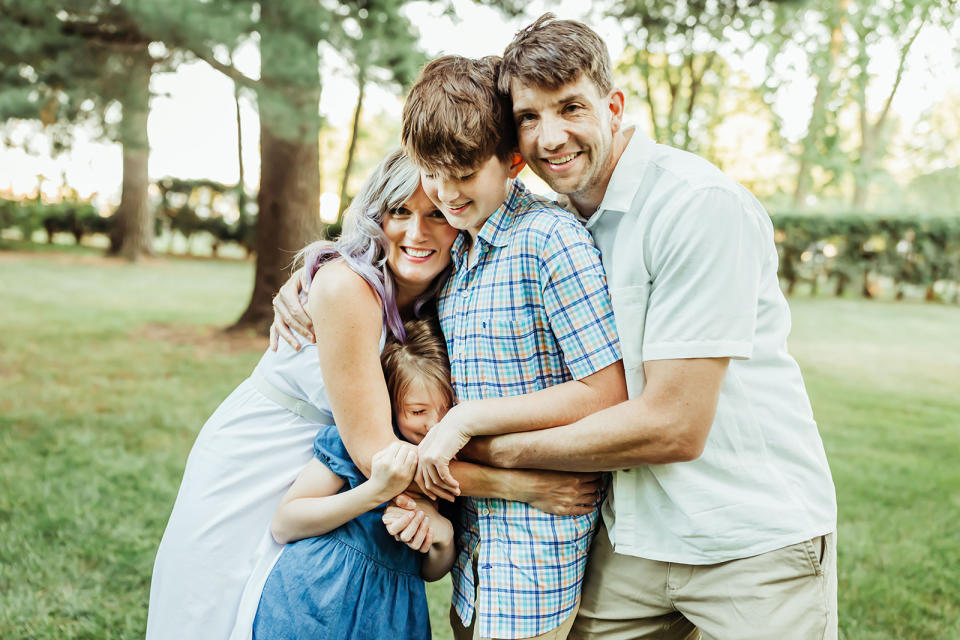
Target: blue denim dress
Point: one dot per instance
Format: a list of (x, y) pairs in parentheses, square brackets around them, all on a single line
[(353, 583)]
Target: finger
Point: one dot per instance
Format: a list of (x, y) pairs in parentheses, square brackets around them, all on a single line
[(274, 340), (417, 541), (399, 524), (287, 335), (295, 315), (292, 315), (405, 502), (448, 479), (428, 541), (411, 530)]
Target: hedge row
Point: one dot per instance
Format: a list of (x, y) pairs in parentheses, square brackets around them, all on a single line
[(839, 251), (855, 250)]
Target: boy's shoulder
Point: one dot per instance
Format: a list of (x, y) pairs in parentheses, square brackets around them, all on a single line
[(534, 216)]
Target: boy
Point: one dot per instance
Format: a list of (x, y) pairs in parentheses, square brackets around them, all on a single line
[(525, 311)]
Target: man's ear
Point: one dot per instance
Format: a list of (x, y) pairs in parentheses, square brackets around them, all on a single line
[(517, 164), (615, 104)]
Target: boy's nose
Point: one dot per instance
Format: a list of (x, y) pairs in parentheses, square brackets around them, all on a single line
[(447, 191)]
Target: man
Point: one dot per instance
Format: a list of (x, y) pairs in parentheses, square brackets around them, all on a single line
[(722, 515)]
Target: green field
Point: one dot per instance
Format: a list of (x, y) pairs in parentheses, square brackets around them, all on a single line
[(107, 371)]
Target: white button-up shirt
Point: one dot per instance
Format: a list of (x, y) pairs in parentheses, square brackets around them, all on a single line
[(692, 270)]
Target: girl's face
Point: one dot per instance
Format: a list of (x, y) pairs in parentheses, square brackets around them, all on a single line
[(420, 241), (422, 406)]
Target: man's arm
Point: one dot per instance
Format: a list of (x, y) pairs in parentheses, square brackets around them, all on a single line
[(668, 422)]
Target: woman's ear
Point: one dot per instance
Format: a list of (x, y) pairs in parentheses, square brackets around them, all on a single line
[(517, 164)]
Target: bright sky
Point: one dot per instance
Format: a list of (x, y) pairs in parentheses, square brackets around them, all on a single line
[(192, 123)]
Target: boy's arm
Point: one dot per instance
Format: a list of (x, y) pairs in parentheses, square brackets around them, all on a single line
[(558, 405), (578, 308)]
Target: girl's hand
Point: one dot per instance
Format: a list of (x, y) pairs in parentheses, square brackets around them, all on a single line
[(289, 314), (392, 469), (442, 442), (417, 523)]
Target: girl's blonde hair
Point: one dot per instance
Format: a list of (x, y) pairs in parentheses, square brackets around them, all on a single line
[(422, 355)]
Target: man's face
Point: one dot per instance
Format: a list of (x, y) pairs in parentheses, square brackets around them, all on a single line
[(566, 134)]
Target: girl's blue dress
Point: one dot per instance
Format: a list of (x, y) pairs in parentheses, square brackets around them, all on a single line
[(353, 583)]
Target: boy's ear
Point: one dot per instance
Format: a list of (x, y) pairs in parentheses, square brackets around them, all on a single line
[(517, 164)]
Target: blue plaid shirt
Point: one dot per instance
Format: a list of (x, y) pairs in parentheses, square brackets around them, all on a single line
[(531, 312)]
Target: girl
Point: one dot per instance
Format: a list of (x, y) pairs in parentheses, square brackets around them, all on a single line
[(342, 574)]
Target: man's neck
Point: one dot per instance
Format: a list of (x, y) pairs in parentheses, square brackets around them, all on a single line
[(589, 200)]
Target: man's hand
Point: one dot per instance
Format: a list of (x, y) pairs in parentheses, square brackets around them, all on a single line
[(557, 492), (289, 314)]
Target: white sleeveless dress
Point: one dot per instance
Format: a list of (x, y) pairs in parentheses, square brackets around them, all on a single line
[(245, 458)]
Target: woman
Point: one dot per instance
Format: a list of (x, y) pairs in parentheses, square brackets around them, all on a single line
[(390, 260)]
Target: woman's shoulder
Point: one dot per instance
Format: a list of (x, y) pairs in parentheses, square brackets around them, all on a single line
[(336, 283)]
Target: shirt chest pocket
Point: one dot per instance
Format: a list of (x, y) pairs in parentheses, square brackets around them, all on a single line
[(630, 312), (507, 339)]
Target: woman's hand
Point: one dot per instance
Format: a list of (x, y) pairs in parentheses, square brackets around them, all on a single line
[(392, 469), (289, 314), (557, 492), (441, 444)]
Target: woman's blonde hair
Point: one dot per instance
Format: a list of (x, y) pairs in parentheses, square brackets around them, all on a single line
[(422, 355)]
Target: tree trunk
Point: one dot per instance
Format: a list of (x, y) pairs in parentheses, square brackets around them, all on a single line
[(289, 198), (133, 232), (361, 82)]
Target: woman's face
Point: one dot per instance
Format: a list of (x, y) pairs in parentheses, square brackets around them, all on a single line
[(420, 241)]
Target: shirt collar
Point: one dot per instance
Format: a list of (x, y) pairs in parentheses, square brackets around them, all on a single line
[(627, 175)]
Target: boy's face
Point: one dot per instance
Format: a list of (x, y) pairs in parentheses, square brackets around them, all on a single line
[(467, 198), (423, 405), (566, 134)]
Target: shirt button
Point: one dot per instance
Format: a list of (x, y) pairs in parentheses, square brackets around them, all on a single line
[(485, 512)]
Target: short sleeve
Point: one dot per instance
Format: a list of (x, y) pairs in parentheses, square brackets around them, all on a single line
[(705, 265), (576, 300), (328, 448)]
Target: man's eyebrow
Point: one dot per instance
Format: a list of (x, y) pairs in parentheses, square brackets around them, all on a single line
[(570, 97)]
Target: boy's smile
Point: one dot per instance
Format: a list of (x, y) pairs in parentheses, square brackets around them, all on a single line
[(467, 198)]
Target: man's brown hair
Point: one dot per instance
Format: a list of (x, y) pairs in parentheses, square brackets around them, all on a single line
[(550, 53), (454, 117), (423, 356)]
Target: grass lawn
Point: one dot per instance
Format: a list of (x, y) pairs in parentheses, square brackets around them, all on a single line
[(107, 371)]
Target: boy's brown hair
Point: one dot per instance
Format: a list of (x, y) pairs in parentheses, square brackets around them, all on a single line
[(550, 53), (455, 118), (423, 355)]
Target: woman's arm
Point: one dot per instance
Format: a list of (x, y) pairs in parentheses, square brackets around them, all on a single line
[(348, 321), (313, 507)]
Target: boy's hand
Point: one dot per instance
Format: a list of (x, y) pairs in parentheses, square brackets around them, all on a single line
[(392, 469), (289, 314), (442, 442)]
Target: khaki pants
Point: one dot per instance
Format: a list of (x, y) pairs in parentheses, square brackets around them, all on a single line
[(786, 593), (461, 632)]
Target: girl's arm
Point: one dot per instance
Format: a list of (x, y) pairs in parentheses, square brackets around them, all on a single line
[(313, 507)]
